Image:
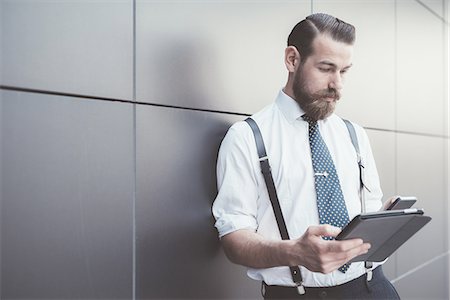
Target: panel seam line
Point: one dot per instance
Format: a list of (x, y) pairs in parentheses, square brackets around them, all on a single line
[(419, 267)]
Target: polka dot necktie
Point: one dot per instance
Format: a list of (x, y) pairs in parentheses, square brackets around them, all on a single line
[(330, 200)]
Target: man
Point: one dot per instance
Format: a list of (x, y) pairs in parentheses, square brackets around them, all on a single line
[(318, 56)]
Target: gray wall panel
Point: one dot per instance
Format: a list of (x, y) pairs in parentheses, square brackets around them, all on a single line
[(178, 253), (369, 92), (420, 69), (429, 282), (67, 190), (83, 47), (1, 40), (421, 173), (435, 7), (222, 55), (447, 79), (1, 182)]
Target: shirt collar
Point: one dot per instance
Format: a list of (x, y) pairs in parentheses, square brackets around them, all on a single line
[(289, 107)]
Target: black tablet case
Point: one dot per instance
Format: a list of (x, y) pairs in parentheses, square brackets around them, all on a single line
[(386, 233)]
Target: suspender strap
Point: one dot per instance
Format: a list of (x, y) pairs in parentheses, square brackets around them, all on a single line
[(268, 178), (354, 138)]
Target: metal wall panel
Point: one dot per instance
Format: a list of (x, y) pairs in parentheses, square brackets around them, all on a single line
[(1, 181), (82, 47), (383, 148), (177, 248), (420, 69), (217, 55), (369, 92), (447, 132), (1, 41), (434, 6), (67, 191), (428, 282), (421, 173)]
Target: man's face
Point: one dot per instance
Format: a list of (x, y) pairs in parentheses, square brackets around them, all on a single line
[(318, 81)]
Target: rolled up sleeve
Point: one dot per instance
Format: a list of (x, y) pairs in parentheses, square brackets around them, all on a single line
[(235, 206)]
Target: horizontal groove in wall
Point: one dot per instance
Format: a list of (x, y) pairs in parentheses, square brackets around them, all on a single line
[(53, 93), (418, 268), (408, 132), (433, 12)]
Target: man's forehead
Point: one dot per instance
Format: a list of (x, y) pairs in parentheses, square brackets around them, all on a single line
[(328, 50)]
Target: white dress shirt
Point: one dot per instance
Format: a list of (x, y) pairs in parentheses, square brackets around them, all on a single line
[(243, 201)]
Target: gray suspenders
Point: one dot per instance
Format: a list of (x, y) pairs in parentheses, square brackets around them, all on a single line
[(267, 174)]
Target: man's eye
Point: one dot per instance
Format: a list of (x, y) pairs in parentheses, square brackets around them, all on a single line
[(325, 69), (344, 71)]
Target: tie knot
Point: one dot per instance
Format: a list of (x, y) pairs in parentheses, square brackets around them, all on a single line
[(309, 120)]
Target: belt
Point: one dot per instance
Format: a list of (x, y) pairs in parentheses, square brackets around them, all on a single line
[(270, 291)]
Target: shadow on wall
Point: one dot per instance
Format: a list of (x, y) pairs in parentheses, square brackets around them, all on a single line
[(188, 72), (178, 253)]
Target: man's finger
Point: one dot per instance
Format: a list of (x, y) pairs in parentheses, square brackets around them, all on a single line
[(346, 245), (389, 202), (324, 230), (340, 258), (352, 253)]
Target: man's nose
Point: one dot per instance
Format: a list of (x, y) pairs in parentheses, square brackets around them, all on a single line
[(336, 82)]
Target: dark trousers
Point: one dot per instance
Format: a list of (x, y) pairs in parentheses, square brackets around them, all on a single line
[(378, 288)]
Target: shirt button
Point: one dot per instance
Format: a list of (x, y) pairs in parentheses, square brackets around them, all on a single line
[(323, 294)]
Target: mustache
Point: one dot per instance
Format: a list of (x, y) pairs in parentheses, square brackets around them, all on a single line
[(328, 93)]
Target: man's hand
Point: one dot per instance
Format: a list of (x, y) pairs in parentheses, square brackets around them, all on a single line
[(248, 248), (324, 256)]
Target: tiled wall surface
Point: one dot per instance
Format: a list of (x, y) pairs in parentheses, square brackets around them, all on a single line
[(112, 113), (82, 47), (67, 190)]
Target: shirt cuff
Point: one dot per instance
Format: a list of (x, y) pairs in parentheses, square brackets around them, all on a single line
[(230, 223)]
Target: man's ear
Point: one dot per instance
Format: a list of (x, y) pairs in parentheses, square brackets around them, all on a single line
[(291, 58)]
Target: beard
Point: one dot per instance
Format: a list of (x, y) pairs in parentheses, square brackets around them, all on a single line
[(315, 105)]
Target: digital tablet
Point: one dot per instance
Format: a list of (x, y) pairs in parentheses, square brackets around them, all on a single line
[(386, 231)]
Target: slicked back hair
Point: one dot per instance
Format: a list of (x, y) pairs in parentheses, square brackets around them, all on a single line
[(303, 34)]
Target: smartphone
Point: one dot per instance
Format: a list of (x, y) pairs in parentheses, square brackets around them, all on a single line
[(402, 203)]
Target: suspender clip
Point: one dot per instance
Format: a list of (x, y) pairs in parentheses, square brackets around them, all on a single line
[(369, 274), (300, 288), (369, 270)]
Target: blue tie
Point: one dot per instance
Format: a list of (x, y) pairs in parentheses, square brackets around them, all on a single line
[(330, 200)]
